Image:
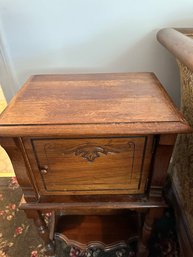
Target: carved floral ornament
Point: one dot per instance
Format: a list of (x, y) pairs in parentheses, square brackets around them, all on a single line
[(91, 151)]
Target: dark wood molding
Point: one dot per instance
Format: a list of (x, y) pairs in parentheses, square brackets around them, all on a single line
[(91, 245)]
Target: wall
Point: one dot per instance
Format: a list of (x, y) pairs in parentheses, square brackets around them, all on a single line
[(79, 36)]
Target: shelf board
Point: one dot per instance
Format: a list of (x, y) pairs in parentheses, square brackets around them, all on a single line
[(102, 230)]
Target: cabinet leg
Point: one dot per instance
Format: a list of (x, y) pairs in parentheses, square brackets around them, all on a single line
[(43, 231), (151, 216)]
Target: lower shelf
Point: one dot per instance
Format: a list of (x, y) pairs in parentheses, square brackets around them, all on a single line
[(105, 231)]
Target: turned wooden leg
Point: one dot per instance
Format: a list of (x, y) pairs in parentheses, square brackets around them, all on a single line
[(151, 216), (42, 230)]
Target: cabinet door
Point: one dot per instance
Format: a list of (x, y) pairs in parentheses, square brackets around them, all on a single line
[(91, 166)]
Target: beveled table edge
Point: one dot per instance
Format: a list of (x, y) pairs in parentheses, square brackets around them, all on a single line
[(117, 129)]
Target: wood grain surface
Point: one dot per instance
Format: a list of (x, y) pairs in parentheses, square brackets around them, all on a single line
[(97, 101)]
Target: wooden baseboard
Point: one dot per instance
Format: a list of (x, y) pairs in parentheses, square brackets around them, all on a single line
[(184, 234)]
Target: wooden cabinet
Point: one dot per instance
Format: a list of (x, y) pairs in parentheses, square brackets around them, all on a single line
[(91, 144)]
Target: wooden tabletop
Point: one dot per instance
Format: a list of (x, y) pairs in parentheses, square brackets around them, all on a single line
[(126, 103)]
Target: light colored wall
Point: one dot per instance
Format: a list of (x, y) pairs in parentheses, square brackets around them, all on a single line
[(79, 36)]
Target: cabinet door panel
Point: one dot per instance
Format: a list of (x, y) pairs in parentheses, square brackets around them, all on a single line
[(102, 165)]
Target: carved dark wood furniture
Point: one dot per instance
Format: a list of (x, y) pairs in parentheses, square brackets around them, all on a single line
[(91, 145)]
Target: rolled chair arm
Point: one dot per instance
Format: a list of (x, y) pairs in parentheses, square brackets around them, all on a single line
[(180, 45)]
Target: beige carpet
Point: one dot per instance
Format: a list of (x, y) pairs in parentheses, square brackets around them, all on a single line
[(6, 169)]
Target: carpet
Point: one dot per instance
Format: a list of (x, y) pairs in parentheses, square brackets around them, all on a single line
[(18, 236)]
